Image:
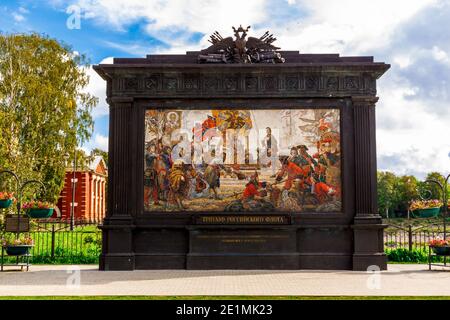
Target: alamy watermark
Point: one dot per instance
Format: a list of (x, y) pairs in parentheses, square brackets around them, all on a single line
[(73, 22), (74, 279), (373, 282)]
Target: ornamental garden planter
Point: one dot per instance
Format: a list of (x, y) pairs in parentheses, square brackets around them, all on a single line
[(442, 251), (40, 213), (18, 250), (18, 223), (5, 203), (426, 213)]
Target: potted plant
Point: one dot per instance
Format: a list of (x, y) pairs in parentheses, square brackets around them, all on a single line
[(6, 199), (18, 247), (38, 209), (425, 208), (440, 246)]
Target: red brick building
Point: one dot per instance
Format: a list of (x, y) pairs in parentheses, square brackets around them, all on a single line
[(90, 192)]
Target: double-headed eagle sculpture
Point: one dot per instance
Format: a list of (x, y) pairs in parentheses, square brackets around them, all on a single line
[(241, 49)]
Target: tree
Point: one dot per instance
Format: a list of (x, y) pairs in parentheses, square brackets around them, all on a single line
[(99, 152), (44, 113), (435, 191), (386, 183), (407, 190)]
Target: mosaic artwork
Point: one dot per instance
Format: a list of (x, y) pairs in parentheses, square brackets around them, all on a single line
[(265, 160)]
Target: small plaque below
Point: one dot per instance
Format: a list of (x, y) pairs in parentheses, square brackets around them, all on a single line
[(12, 221), (242, 219)]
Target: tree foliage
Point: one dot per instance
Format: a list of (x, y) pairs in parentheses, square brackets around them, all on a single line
[(396, 192), (435, 192), (99, 152), (407, 190), (44, 112), (386, 192)]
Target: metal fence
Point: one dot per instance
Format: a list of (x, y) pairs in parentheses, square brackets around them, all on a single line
[(412, 235), (54, 242)]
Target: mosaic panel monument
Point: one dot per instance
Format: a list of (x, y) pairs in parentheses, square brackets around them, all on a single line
[(242, 156)]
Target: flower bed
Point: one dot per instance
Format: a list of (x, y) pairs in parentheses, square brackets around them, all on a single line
[(6, 199), (38, 209), (440, 246), (425, 208), (18, 247)]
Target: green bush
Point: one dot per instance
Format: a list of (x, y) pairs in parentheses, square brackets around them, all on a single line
[(89, 239), (413, 256)]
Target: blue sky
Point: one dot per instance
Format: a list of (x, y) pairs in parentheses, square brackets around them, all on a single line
[(413, 114)]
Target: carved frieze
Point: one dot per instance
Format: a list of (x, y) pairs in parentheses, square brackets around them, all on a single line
[(186, 84), (191, 83), (292, 82), (151, 83), (170, 84), (131, 84), (270, 83), (251, 83), (211, 84), (351, 82), (332, 83), (230, 83), (312, 82)]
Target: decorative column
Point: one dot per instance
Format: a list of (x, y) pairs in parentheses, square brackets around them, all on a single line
[(117, 249), (91, 199), (368, 227), (100, 200), (104, 199), (97, 181)]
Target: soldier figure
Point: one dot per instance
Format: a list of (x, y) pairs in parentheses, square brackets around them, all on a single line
[(178, 183), (212, 177), (150, 181)]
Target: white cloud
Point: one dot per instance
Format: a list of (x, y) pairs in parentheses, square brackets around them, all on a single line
[(18, 17), (97, 87), (99, 141), (402, 61), (23, 10), (410, 138), (440, 55), (412, 113), (171, 21), (346, 26)]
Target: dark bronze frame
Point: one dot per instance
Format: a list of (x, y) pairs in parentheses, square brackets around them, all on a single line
[(133, 239)]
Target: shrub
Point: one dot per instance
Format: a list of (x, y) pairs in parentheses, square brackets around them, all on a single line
[(413, 256)]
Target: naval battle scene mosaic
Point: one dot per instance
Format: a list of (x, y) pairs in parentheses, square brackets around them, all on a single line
[(276, 160)]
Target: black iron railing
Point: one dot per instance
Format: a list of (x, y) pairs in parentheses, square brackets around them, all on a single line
[(54, 242)]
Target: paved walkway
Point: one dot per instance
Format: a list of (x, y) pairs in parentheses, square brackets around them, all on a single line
[(57, 280)]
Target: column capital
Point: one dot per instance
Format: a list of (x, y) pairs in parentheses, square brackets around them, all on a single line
[(122, 100), (364, 100)]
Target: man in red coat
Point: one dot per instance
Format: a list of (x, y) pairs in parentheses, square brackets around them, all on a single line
[(208, 124), (253, 192), (292, 171)]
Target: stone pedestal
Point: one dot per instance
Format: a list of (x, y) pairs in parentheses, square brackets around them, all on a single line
[(368, 244), (241, 247)]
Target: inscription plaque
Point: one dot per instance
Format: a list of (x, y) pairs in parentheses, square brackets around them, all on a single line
[(242, 219)]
